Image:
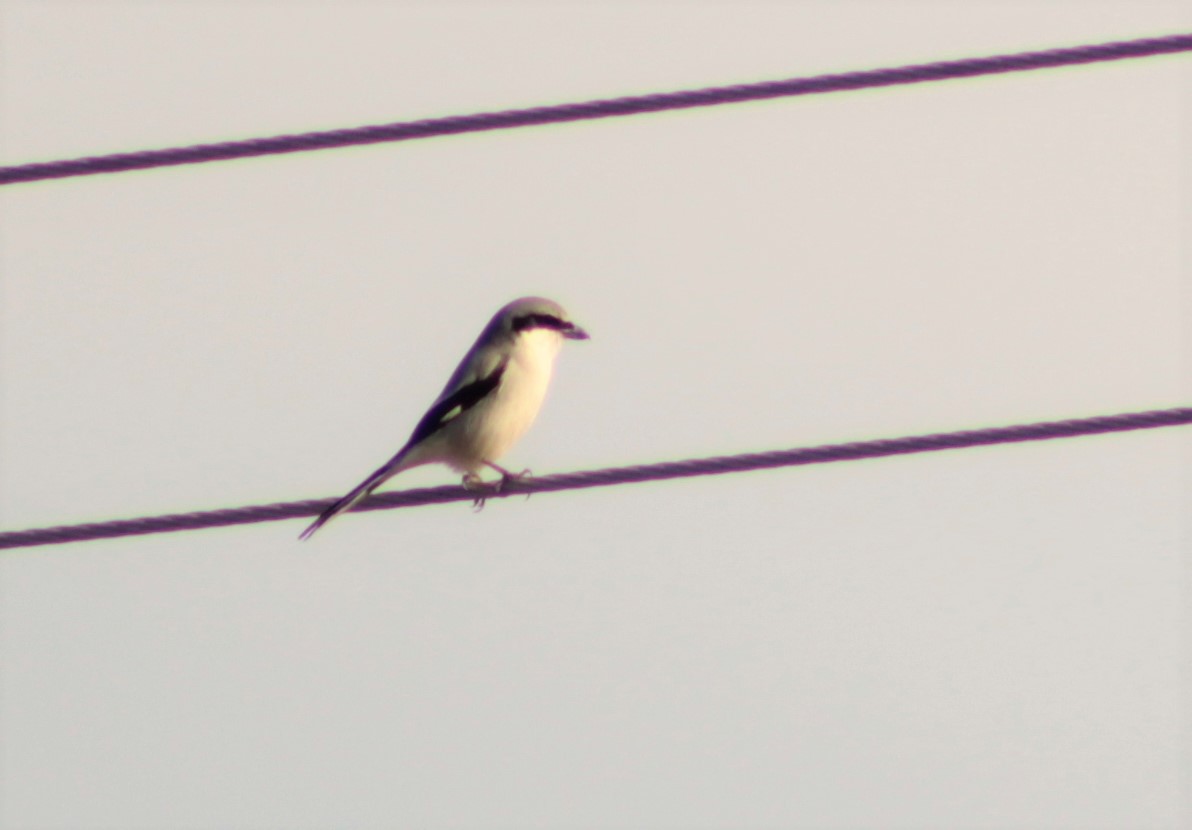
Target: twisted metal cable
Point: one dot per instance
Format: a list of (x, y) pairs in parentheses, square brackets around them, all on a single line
[(604, 108), (611, 476)]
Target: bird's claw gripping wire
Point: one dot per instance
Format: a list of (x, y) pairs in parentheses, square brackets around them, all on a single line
[(484, 489)]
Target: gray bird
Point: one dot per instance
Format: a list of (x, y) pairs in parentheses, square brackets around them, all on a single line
[(491, 400)]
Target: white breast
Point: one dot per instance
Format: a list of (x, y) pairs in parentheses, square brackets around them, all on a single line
[(505, 417)]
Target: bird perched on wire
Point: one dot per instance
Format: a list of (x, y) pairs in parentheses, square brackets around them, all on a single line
[(490, 401)]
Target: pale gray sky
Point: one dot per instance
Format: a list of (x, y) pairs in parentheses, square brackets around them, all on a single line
[(987, 638)]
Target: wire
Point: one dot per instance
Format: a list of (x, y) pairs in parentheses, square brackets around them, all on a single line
[(605, 108), (611, 476)]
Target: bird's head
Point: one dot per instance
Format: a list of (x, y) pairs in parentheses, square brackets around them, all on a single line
[(531, 313)]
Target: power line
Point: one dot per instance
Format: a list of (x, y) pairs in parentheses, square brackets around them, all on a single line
[(604, 108), (612, 476)]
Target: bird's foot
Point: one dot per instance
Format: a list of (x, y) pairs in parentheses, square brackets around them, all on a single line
[(508, 477), (520, 478), (516, 478), (482, 488)]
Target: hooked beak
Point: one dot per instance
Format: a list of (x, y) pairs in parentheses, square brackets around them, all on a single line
[(575, 333)]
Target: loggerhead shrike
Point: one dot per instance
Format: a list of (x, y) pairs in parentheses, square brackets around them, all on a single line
[(491, 399)]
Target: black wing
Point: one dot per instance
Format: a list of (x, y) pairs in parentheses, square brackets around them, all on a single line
[(449, 407)]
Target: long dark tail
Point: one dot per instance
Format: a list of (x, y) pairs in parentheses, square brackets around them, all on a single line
[(392, 467)]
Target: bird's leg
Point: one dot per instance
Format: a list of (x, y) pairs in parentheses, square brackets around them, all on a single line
[(506, 476), (484, 489)]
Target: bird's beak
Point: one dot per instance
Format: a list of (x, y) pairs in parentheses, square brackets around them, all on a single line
[(575, 333)]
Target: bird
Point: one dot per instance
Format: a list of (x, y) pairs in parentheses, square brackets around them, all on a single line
[(490, 401)]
